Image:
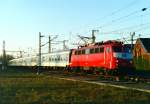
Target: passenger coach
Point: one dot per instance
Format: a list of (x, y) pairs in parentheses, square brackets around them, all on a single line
[(52, 60)]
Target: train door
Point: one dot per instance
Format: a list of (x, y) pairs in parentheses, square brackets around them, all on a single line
[(107, 57), (86, 58)]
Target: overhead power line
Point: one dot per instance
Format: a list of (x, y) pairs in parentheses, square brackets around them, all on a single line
[(126, 28), (143, 28), (123, 17), (88, 25), (121, 9)]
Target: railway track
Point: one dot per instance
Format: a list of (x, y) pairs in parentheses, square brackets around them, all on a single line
[(95, 79)]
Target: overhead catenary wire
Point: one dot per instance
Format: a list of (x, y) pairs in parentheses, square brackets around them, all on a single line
[(135, 37), (125, 17), (123, 8), (140, 27), (120, 9), (121, 18), (111, 14), (143, 28), (129, 19), (125, 28)]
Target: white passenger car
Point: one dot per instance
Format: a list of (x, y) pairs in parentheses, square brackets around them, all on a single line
[(55, 59)]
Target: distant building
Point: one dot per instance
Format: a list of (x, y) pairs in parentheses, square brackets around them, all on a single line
[(141, 53)]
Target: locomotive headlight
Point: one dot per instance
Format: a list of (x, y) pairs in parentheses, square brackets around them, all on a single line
[(117, 61)]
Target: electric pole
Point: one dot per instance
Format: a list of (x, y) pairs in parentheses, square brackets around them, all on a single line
[(39, 65), (132, 35), (40, 46), (64, 45), (93, 35), (50, 42), (4, 57), (139, 35), (49, 50)]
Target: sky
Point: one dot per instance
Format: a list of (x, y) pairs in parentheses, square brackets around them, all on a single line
[(22, 20)]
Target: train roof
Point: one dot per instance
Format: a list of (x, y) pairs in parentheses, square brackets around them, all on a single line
[(56, 52), (43, 54), (112, 42)]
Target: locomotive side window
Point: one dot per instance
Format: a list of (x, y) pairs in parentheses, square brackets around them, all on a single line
[(83, 51), (92, 50), (75, 52), (97, 50), (101, 49), (79, 52)]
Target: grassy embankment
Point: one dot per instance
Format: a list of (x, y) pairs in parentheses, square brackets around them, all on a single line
[(24, 87)]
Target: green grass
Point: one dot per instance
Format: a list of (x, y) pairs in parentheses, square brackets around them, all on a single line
[(25, 87)]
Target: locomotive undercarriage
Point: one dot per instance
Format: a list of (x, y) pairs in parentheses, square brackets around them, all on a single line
[(120, 73)]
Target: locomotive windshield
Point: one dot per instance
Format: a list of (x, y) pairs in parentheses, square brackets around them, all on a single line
[(121, 49), (126, 49), (117, 49)]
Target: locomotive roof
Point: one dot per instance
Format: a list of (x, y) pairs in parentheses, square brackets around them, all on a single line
[(110, 42)]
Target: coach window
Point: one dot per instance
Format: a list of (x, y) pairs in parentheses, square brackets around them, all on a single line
[(101, 49), (43, 58), (33, 59), (64, 59), (55, 58), (47, 58), (97, 50), (92, 50)]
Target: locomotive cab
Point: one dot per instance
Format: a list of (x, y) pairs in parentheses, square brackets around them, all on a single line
[(122, 57)]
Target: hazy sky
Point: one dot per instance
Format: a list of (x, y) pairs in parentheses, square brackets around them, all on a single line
[(22, 20)]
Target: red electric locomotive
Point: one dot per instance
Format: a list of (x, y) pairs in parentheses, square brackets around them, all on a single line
[(109, 56)]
